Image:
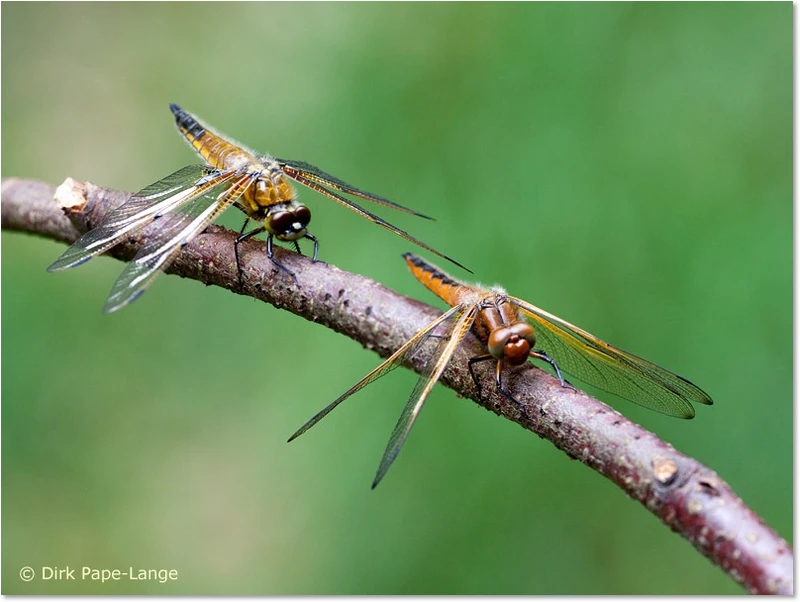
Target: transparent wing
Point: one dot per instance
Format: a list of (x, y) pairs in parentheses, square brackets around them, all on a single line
[(594, 361), (139, 210), (430, 375), (171, 233), (315, 174), (406, 351), (301, 177)]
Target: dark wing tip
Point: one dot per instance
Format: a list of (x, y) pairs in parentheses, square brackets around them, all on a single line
[(61, 264), (698, 395), (113, 304), (463, 267), (686, 412), (58, 265), (705, 399), (410, 257), (392, 205)]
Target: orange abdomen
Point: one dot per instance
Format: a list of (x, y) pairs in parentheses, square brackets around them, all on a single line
[(438, 282)]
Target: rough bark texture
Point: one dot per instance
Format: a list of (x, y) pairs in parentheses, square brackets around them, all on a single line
[(686, 495)]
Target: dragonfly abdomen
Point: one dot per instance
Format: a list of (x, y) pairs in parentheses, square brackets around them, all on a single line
[(215, 150), (439, 283)]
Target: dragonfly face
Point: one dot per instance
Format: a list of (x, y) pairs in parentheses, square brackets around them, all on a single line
[(512, 343), (289, 223), (507, 336), (501, 322), (184, 203)]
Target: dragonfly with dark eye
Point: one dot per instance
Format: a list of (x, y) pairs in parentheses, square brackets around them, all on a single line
[(187, 201), (513, 331)]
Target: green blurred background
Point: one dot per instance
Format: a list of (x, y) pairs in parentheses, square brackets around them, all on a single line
[(627, 167)]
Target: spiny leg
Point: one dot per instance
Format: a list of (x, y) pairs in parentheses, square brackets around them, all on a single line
[(506, 394), (241, 238), (541, 355), (313, 239), (475, 360), (271, 256), (442, 337)]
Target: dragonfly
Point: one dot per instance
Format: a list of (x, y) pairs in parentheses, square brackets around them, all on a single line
[(513, 331), (187, 201)]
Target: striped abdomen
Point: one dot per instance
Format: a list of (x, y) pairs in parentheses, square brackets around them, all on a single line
[(438, 282), (214, 149)]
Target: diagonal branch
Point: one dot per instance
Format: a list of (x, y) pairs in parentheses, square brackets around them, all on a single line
[(686, 495)]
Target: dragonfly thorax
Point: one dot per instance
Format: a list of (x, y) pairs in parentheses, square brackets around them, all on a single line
[(288, 222), (512, 343), (268, 190)]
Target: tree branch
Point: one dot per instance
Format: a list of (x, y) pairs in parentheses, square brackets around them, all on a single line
[(686, 495)]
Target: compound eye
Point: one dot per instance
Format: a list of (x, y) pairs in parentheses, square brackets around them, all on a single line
[(303, 215), (525, 331), (497, 342), (281, 222)]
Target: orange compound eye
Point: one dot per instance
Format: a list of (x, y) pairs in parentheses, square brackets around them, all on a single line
[(497, 342), (525, 331), (512, 343)]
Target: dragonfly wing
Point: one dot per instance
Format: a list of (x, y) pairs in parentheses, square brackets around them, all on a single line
[(139, 210), (172, 232), (302, 179), (408, 349), (597, 363), (315, 174), (430, 375)]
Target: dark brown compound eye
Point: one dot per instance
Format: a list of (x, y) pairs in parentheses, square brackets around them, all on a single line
[(281, 222), (303, 215)]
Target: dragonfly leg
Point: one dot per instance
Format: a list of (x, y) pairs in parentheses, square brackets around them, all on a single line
[(444, 337), (313, 239), (243, 237), (475, 360), (271, 256), (541, 355), (506, 394)]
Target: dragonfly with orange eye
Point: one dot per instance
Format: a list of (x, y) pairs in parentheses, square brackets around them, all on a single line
[(499, 321), (187, 201)]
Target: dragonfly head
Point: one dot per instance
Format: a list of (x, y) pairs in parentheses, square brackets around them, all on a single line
[(290, 222), (512, 343)]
